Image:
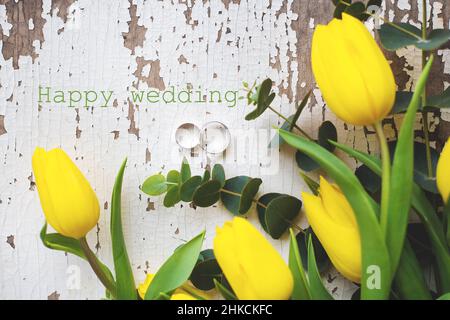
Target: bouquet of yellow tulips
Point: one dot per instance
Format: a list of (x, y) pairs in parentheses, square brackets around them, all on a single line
[(363, 232)]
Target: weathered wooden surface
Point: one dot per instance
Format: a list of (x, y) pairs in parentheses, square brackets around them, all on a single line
[(122, 45)]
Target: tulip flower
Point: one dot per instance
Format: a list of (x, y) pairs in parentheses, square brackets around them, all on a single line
[(443, 172), (254, 269), (351, 71), (185, 292), (68, 201), (333, 221)]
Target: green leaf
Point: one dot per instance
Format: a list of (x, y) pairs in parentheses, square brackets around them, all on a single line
[(177, 269), (421, 167), (172, 197), (327, 132), (301, 286), (393, 39), (204, 274), (299, 111), (155, 185), (322, 259), (173, 177), (188, 188), (126, 287), (233, 185), (207, 194), (305, 163), (395, 223), (261, 206), (227, 294), (402, 100), (374, 251), (341, 7), (357, 10), (409, 280), (56, 241), (264, 99), (280, 213), (445, 296), (316, 287), (248, 193), (206, 176), (218, 173), (440, 101), (425, 211), (312, 185), (185, 172), (370, 181)]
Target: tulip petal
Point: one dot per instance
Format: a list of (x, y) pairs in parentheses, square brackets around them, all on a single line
[(443, 172)]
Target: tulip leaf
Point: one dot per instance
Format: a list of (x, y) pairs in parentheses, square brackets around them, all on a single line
[(227, 294), (261, 206), (409, 281), (185, 172), (316, 287), (172, 196), (445, 296), (231, 199), (312, 185), (248, 193), (421, 167), (56, 241), (392, 38), (207, 194), (280, 213), (126, 288), (374, 251), (205, 272), (218, 173), (425, 211), (322, 259), (301, 286), (401, 183), (155, 185), (188, 188), (276, 141), (177, 268)]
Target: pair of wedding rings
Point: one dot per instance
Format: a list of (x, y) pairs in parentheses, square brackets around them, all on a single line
[(214, 137)]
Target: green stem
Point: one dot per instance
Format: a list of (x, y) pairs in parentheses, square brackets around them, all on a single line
[(295, 126), (426, 130), (95, 265), (386, 175)]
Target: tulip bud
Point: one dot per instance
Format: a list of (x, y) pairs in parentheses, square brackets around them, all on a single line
[(443, 172), (68, 201), (254, 269), (332, 219), (182, 293), (351, 71)]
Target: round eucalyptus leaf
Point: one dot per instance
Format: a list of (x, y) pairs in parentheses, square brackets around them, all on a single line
[(248, 193), (185, 172), (172, 196), (322, 259), (155, 185), (280, 213), (187, 189), (327, 131), (207, 194), (440, 101), (421, 167), (305, 163), (173, 176), (357, 10), (206, 176), (207, 254), (263, 201), (204, 273), (370, 181), (234, 185), (340, 8), (264, 98), (218, 173)]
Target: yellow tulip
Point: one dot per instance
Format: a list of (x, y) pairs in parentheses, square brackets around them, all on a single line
[(333, 221), (254, 269), (68, 201), (351, 71), (185, 292), (443, 172)]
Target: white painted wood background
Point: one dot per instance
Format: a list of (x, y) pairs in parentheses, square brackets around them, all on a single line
[(121, 45)]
